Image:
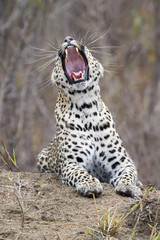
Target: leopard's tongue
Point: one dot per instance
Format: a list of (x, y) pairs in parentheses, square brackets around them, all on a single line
[(76, 75)]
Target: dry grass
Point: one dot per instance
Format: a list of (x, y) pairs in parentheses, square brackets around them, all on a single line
[(6, 157), (111, 222)]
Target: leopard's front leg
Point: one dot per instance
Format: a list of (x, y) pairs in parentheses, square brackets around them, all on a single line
[(77, 158), (128, 184), (118, 167), (86, 185), (126, 181)]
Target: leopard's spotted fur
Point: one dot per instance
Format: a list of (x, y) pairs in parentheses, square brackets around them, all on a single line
[(87, 149)]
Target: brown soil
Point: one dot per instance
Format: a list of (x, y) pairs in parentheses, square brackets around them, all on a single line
[(59, 212)]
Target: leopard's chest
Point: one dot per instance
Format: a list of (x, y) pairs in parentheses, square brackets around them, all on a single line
[(96, 126)]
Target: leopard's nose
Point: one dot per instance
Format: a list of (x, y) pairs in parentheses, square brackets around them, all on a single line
[(68, 39)]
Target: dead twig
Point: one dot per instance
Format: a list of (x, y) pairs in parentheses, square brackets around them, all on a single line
[(20, 200)]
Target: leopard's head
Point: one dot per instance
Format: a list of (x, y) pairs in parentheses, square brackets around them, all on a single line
[(75, 67)]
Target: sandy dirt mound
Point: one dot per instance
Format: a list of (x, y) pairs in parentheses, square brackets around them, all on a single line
[(59, 212)]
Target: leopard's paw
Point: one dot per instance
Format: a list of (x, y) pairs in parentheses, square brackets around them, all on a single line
[(128, 190), (88, 188)]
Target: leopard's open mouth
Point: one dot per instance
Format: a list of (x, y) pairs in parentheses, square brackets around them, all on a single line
[(75, 64)]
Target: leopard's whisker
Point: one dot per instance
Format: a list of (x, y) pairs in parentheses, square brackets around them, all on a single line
[(112, 64), (84, 39), (85, 36), (57, 42), (50, 43), (100, 52), (97, 39), (102, 36), (103, 47), (44, 66), (105, 70), (93, 36), (45, 83), (45, 54), (43, 50), (42, 58)]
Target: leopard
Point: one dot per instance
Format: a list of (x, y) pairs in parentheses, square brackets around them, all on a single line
[(86, 150)]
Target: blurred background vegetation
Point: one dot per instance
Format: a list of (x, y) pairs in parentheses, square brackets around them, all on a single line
[(126, 40)]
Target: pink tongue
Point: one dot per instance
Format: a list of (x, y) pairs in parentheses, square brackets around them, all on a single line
[(77, 75)]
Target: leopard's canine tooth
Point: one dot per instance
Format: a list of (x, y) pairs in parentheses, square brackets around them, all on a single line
[(66, 51), (78, 52)]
